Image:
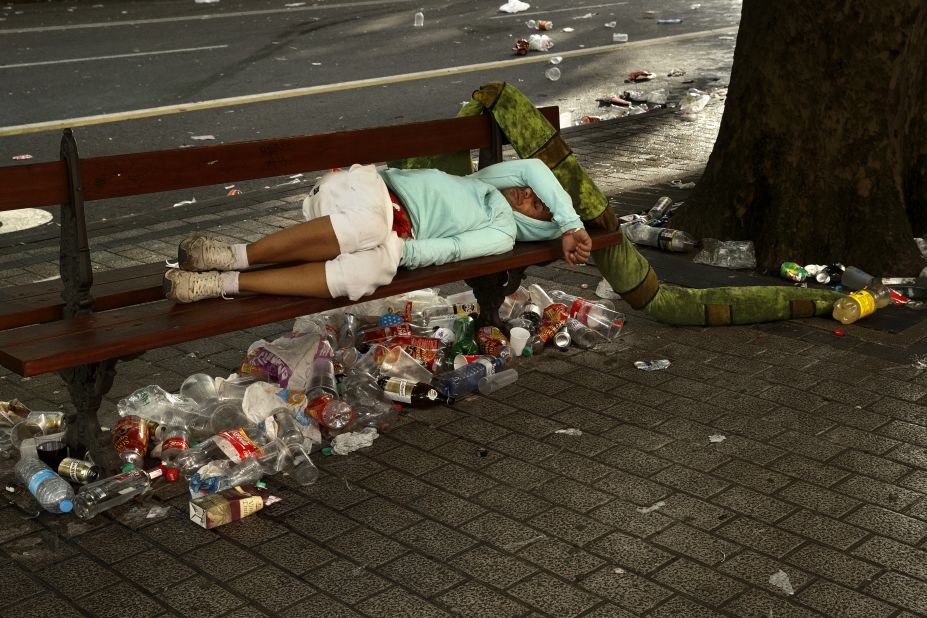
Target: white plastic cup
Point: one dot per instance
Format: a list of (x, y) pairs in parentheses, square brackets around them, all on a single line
[(518, 337), (553, 74), (419, 20), (619, 37)]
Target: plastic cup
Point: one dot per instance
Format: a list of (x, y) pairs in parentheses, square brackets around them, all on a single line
[(398, 364), (464, 359), (518, 337)]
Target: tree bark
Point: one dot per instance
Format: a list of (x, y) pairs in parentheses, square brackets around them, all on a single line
[(822, 151)]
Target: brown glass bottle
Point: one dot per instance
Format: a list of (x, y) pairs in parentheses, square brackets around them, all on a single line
[(415, 394)]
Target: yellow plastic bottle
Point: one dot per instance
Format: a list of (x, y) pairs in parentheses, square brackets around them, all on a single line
[(862, 303)]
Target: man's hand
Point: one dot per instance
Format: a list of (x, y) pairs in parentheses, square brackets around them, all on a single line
[(577, 247)]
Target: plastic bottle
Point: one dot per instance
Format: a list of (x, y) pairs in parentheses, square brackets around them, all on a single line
[(539, 296), (491, 383), (664, 238), (199, 387), (322, 378), (599, 316), (175, 441), (513, 303), (466, 380), (51, 491), (103, 495), (152, 403), (860, 304), (419, 20), (234, 445)]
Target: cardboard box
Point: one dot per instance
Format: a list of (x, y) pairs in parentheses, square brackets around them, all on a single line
[(227, 506)]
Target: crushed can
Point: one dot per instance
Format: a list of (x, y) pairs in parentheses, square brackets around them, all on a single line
[(793, 272)]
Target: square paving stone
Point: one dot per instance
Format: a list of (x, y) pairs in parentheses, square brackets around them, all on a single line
[(397, 485), (154, 570), (492, 567), (502, 532), (524, 448), (575, 466), (756, 568), (422, 435), (638, 437), (884, 494), (410, 459), (122, 599), (754, 504), (816, 498), (336, 493), (435, 539), (353, 468), (871, 465), (760, 604), (760, 536), (512, 502), (319, 522), (459, 480), (681, 607), (894, 555), (200, 597), (625, 517), (425, 576), (475, 600), (78, 576), (695, 455), (824, 529), (625, 588), (695, 512), (901, 590), (13, 524), (528, 424), (446, 507), (693, 542), (561, 559), (517, 473), (367, 547), (801, 467), (552, 596), (295, 553), (396, 603), (834, 565), (383, 515), (630, 552), (632, 488), (17, 585), (45, 604), (347, 581), (223, 560), (755, 477), (319, 605), (177, 534), (888, 523), (40, 549), (833, 600), (585, 420), (271, 587), (690, 481), (572, 494), (569, 526), (253, 531)]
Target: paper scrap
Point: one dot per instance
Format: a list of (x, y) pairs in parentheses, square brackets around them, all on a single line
[(202, 137), (572, 431), (780, 579), (650, 509), (514, 6), (185, 202), (717, 438)]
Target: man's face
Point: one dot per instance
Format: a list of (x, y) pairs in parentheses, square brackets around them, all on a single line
[(523, 200)]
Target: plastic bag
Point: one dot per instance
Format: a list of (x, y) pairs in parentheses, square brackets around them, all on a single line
[(726, 253)]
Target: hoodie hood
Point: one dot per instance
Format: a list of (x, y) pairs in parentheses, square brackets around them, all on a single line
[(527, 228)]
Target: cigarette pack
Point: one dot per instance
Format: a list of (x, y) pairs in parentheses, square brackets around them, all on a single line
[(227, 506)]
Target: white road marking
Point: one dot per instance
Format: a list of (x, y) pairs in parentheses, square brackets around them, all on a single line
[(261, 97), (91, 58), (165, 20)]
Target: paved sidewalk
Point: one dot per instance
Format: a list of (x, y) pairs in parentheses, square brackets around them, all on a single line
[(482, 509)]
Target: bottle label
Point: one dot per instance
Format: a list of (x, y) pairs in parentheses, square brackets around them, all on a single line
[(398, 390), (236, 445), (178, 442), (866, 302), (665, 239), (38, 478)]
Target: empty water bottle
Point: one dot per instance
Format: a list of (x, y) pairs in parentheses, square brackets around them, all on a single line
[(663, 238), (466, 380), (51, 491), (583, 336), (599, 316), (175, 439)]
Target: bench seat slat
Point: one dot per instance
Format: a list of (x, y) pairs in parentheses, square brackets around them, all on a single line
[(41, 348)]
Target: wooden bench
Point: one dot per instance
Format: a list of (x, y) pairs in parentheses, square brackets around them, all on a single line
[(82, 325)]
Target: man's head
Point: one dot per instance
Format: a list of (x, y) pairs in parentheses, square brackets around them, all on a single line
[(524, 200)]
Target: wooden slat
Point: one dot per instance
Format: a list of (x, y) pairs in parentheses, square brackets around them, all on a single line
[(45, 184), (43, 348)]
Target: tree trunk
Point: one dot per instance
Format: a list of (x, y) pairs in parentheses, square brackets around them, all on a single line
[(822, 152)]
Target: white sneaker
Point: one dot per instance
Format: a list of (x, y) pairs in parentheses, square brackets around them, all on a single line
[(198, 253), (182, 286)]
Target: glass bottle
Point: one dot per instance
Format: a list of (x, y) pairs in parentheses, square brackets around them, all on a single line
[(411, 393), (103, 495), (664, 238)]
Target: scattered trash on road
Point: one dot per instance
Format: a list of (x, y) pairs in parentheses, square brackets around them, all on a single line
[(682, 185), (650, 509), (202, 138), (780, 579), (726, 253), (514, 6), (639, 76), (654, 365), (716, 437), (664, 22), (184, 203), (571, 431), (22, 157)]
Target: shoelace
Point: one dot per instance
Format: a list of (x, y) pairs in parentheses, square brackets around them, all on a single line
[(204, 285)]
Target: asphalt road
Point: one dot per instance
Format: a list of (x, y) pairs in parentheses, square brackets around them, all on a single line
[(125, 72)]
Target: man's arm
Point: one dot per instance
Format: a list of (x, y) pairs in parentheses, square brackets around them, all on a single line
[(475, 243), (577, 246)]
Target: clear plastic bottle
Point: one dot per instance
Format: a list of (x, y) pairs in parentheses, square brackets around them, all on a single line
[(234, 445), (322, 378), (513, 303), (175, 440), (103, 495), (153, 403), (583, 336), (599, 316), (51, 491), (199, 387), (858, 305), (466, 380), (664, 238)]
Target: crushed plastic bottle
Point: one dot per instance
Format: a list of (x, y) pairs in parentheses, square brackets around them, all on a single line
[(726, 253), (652, 365)]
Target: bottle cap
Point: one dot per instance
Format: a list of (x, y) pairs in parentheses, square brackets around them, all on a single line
[(172, 474), (65, 506), (128, 467)]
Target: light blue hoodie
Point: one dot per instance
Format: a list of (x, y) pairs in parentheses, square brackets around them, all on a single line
[(458, 218)]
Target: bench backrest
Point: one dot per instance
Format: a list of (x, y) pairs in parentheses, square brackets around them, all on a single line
[(46, 184)]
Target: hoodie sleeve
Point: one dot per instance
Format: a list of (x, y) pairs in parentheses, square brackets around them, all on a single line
[(475, 243), (535, 174)]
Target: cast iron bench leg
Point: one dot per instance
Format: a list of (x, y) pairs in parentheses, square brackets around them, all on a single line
[(87, 384), (490, 292)]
